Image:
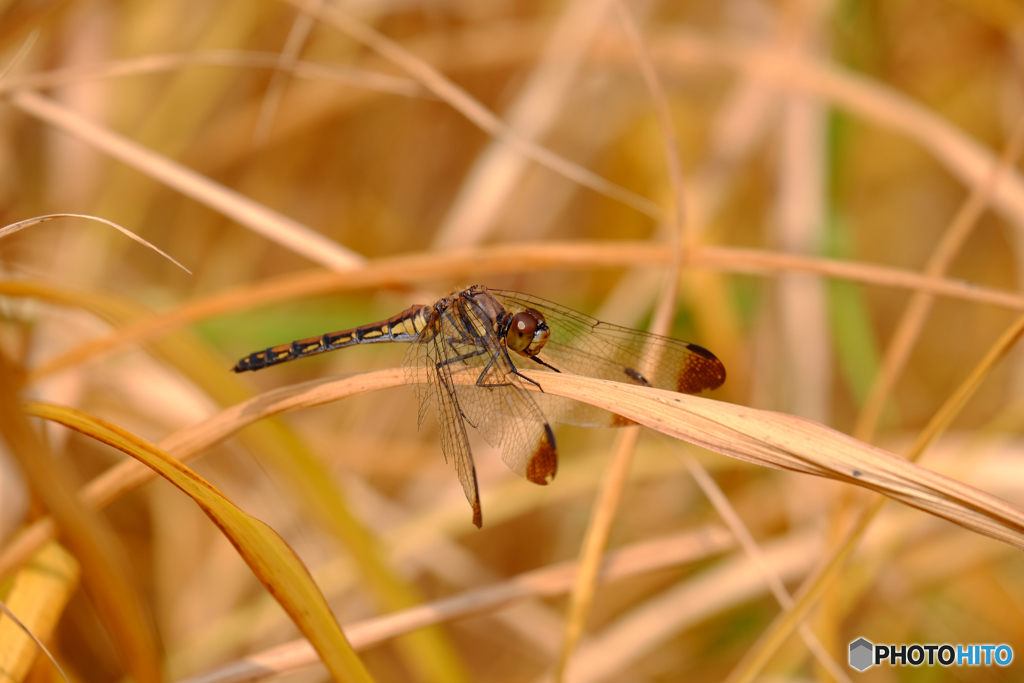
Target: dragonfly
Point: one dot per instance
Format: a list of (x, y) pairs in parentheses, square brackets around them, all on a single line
[(473, 344)]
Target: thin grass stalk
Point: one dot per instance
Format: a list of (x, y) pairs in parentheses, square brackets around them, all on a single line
[(255, 216), (746, 541), (610, 494), (500, 167), (909, 327), (472, 109), (288, 57), (548, 581), (489, 261)]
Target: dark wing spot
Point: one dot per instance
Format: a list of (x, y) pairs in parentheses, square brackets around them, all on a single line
[(543, 463), (700, 373), (701, 351), (636, 377)]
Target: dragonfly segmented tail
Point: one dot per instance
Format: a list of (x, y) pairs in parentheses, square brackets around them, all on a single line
[(404, 327)]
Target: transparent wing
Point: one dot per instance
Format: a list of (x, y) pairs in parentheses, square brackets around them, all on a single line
[(432, 358), (583, 345)]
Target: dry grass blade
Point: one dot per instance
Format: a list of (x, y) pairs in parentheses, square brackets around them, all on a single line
[(28, 222), (275, 89), (275, 226), (271, 559), (105, 571), (760, 437), (39, 594), (550, 581), (786, 442), (814, 586)]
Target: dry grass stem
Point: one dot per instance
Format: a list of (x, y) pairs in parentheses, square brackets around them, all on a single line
[(472, 109), (610, 493), (746, 541), (788, 442), (913, 319), (157, 63), (658, 553), (493, 261)]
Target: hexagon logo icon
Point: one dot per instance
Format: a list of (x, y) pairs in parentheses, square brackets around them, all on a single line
[(861, 654)]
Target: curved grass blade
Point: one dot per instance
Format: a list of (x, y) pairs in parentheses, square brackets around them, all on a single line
[(271, 559), (786, 442), (116, 598), (28, 222)]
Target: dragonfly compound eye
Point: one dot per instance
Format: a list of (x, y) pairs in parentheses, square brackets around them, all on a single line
[(527, 332)]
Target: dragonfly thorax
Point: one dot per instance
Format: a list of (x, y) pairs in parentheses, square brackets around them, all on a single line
[(527, 332)]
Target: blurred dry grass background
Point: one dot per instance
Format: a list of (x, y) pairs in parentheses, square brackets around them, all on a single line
[(848, 130)]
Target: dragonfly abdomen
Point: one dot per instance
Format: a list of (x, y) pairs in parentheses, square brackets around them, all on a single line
[(404, 327)]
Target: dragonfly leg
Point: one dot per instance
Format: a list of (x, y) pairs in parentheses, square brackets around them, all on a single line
[(515, 371), (544, 363), (457, 359)]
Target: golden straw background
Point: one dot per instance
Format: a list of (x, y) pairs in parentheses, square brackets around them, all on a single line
[(824, 194)]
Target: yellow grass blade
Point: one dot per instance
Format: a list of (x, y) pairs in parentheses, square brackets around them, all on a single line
[(116, 598), (272, 560), (41, 591)]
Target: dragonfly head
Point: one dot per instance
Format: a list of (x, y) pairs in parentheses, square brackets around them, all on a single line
[(527, 332)]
